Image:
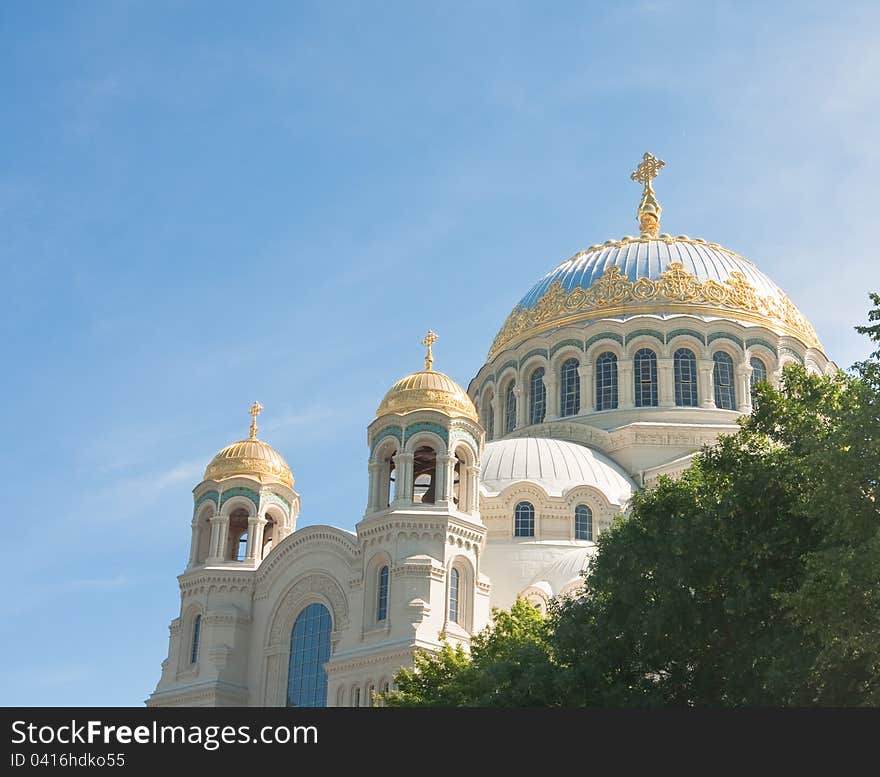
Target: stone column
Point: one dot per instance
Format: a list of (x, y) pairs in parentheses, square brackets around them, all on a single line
[(521, 409), (255, 538), (374, 497), (551, 391), (588, 395), (665, 383), (445, 473), (222, 537), (473, 489), (256, 529), (744, 388), (496, 417), (403, 465), (625, 391), (194, 543), (706, 384)]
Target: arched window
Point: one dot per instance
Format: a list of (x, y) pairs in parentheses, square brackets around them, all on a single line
[(453, 595), (356, 698), (569, 388), (382, 595), (425, 475), (685, 366), (583, 523), (509, 410), (242, 547), (196, 635), (537, 397), (606, 381), (309, 651), (524, 520), (725, 395), (759, 373), (645, 376)]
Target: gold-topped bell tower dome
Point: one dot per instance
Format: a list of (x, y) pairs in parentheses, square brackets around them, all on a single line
[(428, 390), (251, 458)]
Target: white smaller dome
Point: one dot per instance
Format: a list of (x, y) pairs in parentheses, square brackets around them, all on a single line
[(556, 466)]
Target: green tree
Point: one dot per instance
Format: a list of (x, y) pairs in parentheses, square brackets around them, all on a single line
[(754, 579), (508, 666)]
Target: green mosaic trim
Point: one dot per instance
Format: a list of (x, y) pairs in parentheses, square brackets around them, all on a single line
[(724, 336), (512, 363), (604, 336), (389, 431), (564, 344), (240, 491), (213, 496), (647, 333), (796, 355), (458, 434), (758, 341), (692, 332), (270, 497), (533, 352), (442, 433)]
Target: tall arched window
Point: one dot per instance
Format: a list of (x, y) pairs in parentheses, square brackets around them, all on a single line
[(241, 555), (524, 520), (382, 595), (356, 697), (725, 395), (537, 397), (645, 376), (453, 595), (569, 388), (309, 651), (196, 635), (759, 373), (509, 409), (606, 381), (685, 368), (583, 523)]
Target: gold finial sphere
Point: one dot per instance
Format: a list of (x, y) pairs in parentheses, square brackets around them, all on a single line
[(429, 340), (255, 410)]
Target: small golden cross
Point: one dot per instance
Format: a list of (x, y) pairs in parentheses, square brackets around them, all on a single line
[(647, 170), (429, 340), (255, 410)]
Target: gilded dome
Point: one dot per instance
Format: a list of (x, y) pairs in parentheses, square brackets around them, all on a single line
[(253, 458), (429, 390), (654, 275)]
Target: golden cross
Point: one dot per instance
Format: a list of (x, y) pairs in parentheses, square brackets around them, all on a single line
[(255, 411), (647, 170), (429, 340)]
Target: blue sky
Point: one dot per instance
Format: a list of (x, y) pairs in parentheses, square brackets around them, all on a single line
[(203, 204)]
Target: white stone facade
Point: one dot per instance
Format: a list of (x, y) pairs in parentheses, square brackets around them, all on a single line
[(449, 539)]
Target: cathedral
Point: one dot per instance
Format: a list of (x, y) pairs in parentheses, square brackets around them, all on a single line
[(615, 368)]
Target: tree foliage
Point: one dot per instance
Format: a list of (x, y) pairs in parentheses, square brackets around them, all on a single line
[(754, 579)]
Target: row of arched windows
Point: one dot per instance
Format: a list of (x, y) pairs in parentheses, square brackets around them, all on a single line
[(645, 386), (524, 521)]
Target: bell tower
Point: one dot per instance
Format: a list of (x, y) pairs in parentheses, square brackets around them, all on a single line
[(421, 536)]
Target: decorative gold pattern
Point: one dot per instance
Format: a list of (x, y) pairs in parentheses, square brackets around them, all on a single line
[(428, 390), (255, 410), (429, 340), (649, 208), (253, 458), (614, 293)]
